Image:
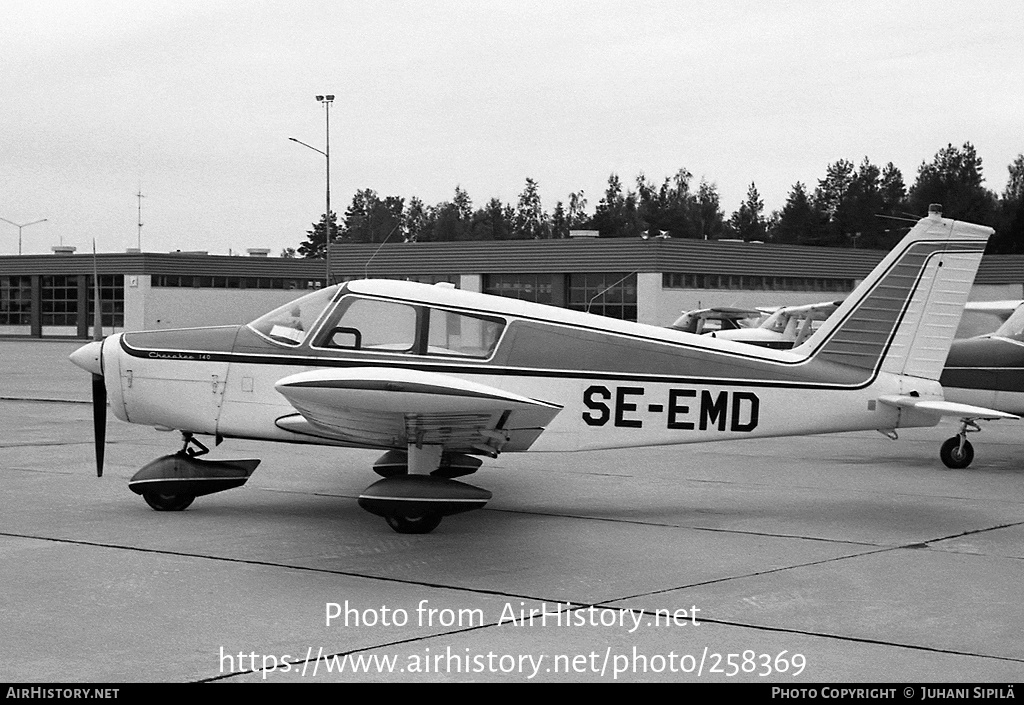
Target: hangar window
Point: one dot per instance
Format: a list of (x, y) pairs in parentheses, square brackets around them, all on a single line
[(15, 301), (200, 282), (674, 280), (452, 279), (60, 301), (606, 294), (430, 279), (111, 301), (527, 287)]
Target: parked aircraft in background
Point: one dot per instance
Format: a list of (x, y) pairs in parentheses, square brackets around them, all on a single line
[(984, 370), (989, 369), (438, 378), (984, 317), (706, 320), (784, 328)]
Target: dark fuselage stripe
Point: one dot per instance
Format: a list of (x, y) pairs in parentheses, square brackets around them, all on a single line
[(494, 370)]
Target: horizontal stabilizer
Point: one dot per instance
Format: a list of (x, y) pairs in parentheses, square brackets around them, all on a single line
[(940, 407)]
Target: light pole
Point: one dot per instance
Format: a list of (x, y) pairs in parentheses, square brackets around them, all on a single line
[(19, 226), (326, 100)]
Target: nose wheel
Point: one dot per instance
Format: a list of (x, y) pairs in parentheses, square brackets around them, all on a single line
[(421, 524), (167, 502)]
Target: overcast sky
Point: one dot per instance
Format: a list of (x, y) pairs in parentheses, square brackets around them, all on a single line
[(194, 102)]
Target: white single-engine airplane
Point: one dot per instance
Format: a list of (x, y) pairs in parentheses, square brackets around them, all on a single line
[(786, 327), (436, 377)]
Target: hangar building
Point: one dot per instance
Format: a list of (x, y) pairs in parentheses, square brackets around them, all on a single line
[(650, 281)]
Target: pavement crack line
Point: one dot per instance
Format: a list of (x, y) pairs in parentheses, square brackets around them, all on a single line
[(613, 520), (341, 654), (878, 550), (638, 522), (971, 532), (46, 401), (286, 566), (41, 444), (603, 604)]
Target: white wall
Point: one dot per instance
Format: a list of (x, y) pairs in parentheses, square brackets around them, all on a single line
[(173, 307), (136, 289), (649, 295), (471, 282)]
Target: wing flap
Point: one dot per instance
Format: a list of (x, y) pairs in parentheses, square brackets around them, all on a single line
[(393, 407)]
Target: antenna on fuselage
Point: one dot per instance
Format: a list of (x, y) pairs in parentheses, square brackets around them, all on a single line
[(607, 288), (366, 267)]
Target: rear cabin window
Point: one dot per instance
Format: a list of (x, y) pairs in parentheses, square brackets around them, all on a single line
[(458, 334)]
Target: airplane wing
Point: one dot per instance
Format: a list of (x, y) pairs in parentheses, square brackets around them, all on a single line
[(394, 407), (823, 307), (945, 408)]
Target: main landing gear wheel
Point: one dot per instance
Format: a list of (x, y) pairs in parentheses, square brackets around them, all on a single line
[(405, 524), (954, 456), (167, 502)]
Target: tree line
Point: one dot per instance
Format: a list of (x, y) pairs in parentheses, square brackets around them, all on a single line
[(863, 206)]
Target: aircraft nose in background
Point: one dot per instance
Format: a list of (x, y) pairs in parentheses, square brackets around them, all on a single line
[(88, 357)]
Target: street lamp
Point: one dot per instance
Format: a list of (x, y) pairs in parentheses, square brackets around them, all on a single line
[(19, 226), (326, 100)]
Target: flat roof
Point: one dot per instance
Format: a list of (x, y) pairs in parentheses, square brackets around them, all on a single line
[(508, 257)]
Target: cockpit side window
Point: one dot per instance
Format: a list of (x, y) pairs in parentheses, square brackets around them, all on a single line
[(289, 324), (369, 324)]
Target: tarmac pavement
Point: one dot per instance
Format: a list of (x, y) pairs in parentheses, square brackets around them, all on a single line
[(844, 558)]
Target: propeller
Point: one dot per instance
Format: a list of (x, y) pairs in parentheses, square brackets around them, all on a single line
[(90, 358), (99, 419), (99, 388)]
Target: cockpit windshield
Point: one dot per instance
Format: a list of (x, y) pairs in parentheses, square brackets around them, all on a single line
[(1014, 326), (290, 323)]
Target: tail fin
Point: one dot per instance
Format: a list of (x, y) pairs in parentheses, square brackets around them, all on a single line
[(903, 316)]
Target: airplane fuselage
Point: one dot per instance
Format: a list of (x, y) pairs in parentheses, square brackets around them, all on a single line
[(436, 376), (627, 387)]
